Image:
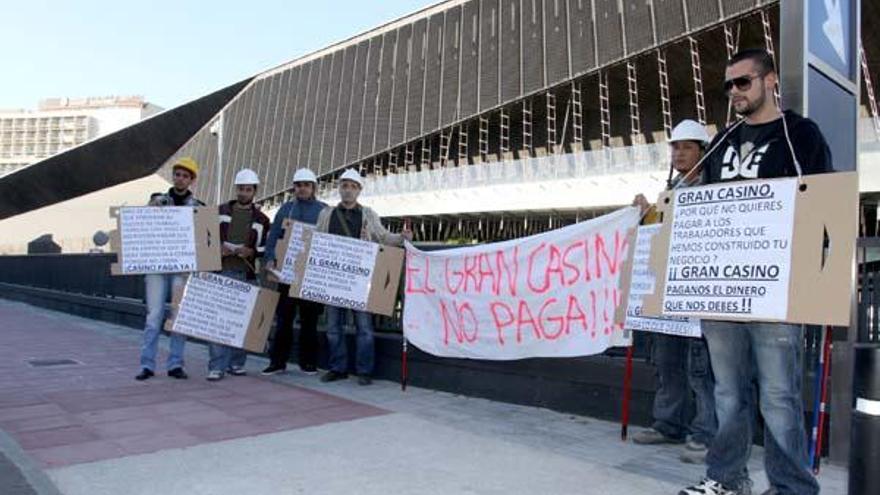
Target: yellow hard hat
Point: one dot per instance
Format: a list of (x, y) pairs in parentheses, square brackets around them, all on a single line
[(187, 164)]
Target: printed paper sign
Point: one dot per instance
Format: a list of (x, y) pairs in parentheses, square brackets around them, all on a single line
[(216, 308), (294, 247), (550, 295), (338, 271), (730, 250), (643, 282), (157, 239)]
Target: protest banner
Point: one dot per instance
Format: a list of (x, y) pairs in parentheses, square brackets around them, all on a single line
[(288, 248), (761, 250), (557, 294), (346, 272), (643, 282), (224, 310), (165, 239)]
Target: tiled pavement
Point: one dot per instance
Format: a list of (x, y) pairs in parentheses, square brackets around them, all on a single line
[(98, 432)]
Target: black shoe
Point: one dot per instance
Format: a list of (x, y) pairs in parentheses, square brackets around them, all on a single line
[(273, 369), (308, 370), (178, 373), (365, 380), (332, 376), (145, 374)]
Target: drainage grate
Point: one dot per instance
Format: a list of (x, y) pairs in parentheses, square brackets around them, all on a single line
[(41, 363)]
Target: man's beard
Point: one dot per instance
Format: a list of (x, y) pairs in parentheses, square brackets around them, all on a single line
[(752, 107)]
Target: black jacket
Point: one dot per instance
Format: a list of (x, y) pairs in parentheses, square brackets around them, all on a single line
[(771, 156)]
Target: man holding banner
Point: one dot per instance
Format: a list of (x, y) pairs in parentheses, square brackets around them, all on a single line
[(243, 229), (159, 287), (303, 208), (765, 143), (351, 219), (682, 363)]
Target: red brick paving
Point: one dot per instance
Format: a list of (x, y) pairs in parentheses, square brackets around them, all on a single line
[(71, 414)]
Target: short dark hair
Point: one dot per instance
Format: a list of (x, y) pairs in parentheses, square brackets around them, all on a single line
[(761, 58)]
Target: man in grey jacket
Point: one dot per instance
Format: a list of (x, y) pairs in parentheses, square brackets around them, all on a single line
[(351, 219)]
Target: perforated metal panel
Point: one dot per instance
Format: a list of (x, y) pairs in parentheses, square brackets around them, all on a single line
[(416, 88), (368, 124), (320, 117), (738, 6), (702, 13), (330, 114), (638, 28), (449, 103), (357, 102), (266, 122), (583, 48), (669, 17), (431, 113), (533, 45), (511, 54), (240, 152), (232, 136), (275, 177), (556, 35), (292, 124), (489, 47), (337, 158), (386, 90), (610, 36), (470, 58), (255, 128), (401, 82)]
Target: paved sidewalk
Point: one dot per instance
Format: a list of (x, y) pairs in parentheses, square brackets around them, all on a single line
[(96, 431)]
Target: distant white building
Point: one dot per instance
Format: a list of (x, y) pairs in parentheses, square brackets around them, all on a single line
[(58, 124)]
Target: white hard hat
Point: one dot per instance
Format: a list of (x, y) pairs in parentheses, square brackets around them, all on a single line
[(305, 175), (690, 130), (352, 175), (246, 176)]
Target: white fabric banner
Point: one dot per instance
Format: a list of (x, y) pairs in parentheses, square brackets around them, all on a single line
[(549, 295)]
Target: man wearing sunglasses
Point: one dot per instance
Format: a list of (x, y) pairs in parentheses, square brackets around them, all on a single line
[(766, 143), (303, 208), (159, 286)]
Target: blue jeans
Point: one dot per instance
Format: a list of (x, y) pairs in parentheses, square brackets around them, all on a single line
[(222, 357), (773, 354), (158, 292), (684, 404), (338, 348)]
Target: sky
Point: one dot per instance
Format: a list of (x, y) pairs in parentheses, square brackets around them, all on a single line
[(168, 51)]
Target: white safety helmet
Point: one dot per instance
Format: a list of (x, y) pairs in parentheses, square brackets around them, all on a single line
[(305, 175), (245, 177), (352, 175), (690, 130)]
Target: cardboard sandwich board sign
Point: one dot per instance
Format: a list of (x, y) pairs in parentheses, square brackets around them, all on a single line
[(346, 272), (643, 282), (224, 310), (288, 248), (761, 250), (165, 239)]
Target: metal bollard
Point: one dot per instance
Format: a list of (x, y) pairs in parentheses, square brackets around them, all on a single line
[(864, 457)]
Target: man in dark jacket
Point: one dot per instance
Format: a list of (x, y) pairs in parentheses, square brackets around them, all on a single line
[(243, 230), (766, 143), (303, 208)]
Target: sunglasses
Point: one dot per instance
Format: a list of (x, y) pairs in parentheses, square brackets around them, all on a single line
[(742, 83)]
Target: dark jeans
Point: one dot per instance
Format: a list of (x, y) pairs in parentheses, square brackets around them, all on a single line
[(685, 400), (308, 334)]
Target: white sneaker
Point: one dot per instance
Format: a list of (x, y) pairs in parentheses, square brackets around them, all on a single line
[(707, 487), (214, 375), (237, 371)]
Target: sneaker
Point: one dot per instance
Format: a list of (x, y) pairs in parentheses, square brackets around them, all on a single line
[(145, 374), (178, 373), (364, 380), (273, 369), (309, 371), (653, 437), (214, 375), (237, 371), (332, 376), (708, 487), (696, 446), (693, 456)]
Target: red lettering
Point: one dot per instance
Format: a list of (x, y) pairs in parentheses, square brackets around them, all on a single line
[(574, 313), (536, 290), (411, 276), (456, 322), (452, 289), (495, 307), (560, 321), (469, 272), (611, 263), (570, 266), (525, 318), (485, 271), (504, 269)]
